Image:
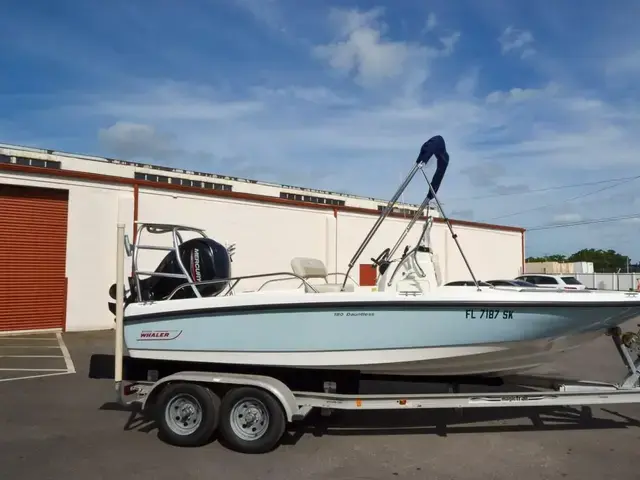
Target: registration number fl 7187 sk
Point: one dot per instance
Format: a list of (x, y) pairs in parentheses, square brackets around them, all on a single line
[(489, 313)]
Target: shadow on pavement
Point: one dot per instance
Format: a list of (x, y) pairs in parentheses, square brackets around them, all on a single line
[(440, 422)]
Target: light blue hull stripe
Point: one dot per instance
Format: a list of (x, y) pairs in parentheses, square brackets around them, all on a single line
[(366, 329)]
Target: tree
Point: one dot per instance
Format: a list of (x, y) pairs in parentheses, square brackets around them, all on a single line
[(603, 260), (548, 258)]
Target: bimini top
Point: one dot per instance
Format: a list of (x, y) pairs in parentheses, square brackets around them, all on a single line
[(435, 146)]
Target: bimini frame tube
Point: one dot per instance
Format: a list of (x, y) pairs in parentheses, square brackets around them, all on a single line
[(381, 218), (409, 227), (119, 340), (453, 234), (434, 146)]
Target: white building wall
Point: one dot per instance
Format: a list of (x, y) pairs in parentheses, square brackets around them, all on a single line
[(492, 254), (266, 236), (352, 229), (94, 211)]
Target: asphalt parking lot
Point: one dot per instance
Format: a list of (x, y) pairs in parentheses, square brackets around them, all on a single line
[(57, 423)]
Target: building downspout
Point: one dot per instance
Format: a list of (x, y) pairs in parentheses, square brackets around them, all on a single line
[(523, 255), (136, 192), (335, 256)]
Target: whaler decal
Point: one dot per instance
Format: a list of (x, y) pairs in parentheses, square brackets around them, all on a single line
[(159, 335)]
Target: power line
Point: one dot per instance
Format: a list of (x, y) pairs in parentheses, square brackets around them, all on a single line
[(585, 222), (583, 195), (546, 189)]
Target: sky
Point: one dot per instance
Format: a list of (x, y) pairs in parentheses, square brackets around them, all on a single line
[(538, 106)]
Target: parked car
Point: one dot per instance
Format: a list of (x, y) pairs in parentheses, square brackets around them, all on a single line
[(512, 283), (543, 280), (466, 283)]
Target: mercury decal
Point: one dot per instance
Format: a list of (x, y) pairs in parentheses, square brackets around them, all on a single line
[(159, 335), (195, 265)]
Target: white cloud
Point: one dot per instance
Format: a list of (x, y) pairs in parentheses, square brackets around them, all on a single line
[(431, 23), (318, 95), (449, 42), (567, 218), (175, 101), (467, 84), (361, 48), (625, 64), (518, 94), (133, 140), (514, 40), (265, 12)]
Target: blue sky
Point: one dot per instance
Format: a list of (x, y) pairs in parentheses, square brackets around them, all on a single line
[(340, 95)]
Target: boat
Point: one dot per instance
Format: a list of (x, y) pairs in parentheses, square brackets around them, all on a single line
[(191, 309)]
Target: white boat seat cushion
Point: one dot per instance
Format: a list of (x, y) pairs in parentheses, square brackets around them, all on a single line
[(308, 268)]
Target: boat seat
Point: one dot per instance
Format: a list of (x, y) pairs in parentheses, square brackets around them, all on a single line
[(309, 268)]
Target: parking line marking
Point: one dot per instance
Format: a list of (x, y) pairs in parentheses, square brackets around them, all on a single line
[(31, 356), (34, 376), (50, 339), (65, 353), (29, 346), (33, 370), (70, 367)]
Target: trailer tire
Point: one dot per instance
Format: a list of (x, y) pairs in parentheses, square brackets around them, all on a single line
[(251, 420), (187, 414)]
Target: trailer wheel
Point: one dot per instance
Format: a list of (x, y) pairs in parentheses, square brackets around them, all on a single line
[(187, 414), (251, 420)]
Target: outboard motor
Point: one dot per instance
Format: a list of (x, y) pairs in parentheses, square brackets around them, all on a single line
[(203, 258)]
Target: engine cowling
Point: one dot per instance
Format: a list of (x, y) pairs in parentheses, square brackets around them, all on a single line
[(204, 259)]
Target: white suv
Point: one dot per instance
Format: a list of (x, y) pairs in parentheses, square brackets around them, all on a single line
[(563, 282)]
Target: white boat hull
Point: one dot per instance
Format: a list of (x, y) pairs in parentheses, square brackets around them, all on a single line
[(452, 333)]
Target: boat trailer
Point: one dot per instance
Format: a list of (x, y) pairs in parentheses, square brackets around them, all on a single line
[(251, 412)]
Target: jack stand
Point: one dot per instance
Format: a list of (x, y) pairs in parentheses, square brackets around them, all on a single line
[(329, 387), (628, 345), (457, 411)]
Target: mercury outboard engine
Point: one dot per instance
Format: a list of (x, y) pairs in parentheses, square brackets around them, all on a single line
[(203, 258)]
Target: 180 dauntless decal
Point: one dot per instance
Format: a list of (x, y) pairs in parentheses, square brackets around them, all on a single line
[(159, 335)]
